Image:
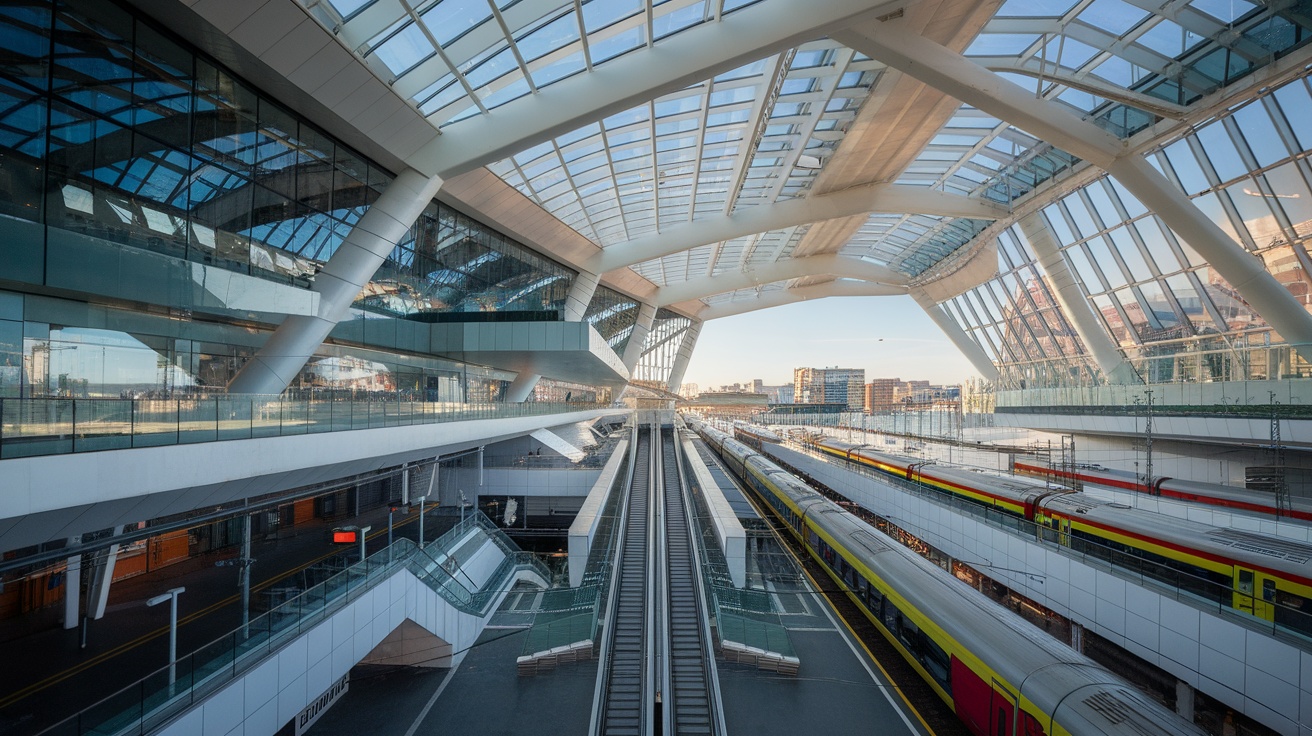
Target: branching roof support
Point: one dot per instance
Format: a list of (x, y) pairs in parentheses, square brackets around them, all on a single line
[(792, 213), (891, 282)]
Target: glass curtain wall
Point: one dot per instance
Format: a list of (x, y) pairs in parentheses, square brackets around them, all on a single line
[(668, 331), (111, 128), (613, 315), (450, 263), (1173, 316)]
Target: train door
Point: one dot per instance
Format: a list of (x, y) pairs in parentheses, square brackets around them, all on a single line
[(1255, 593), (1002, 711)]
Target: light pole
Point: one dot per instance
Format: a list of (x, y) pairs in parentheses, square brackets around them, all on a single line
[(172, 597)]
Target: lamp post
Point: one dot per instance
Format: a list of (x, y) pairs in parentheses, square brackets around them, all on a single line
[(172, 597)]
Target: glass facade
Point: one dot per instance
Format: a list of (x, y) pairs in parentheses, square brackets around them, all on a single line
[(1171, 314), (453, 263), (613, 315), (668, 331), (113, 129)]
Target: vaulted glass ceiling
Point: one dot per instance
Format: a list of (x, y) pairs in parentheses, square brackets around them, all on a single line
[(765, 132)]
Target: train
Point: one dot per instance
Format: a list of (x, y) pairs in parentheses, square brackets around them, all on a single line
[(999, 674), (1267, 577), (1212, 494)]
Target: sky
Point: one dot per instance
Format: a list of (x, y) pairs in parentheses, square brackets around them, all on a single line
[(889, 336)]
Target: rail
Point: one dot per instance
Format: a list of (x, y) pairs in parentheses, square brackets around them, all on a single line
[(149, 703), (56, 426), (1182, 586)]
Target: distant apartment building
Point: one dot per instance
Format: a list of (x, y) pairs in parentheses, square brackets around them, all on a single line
[(829, 386), (881, 393)]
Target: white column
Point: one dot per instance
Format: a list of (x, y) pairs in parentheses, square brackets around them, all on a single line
[(102, 574), (576, 306), (1074, 304), (73, 587), (521, 387), (580, 296), (968, 347), (690, 336), (348, 270), (638, 339), (1244, 270)]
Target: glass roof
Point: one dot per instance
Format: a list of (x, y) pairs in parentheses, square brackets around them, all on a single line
[(765, 132)]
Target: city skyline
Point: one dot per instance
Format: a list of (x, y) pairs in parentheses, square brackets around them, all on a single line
[(900, 340)]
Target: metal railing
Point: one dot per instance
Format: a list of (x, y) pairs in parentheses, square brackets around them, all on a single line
[(162, 695), (1289, 621), (55, 426)]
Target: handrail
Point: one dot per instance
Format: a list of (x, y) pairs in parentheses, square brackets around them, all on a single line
[(55, 426), (1182, 586), (150, 702)]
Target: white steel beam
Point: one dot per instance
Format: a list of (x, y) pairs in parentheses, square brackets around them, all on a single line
[(1074, 304), (639, 76), (793, 268), (791, 296), (792, 213), (971, 83), (968, 347), (638, 339), (366, 247), (685, 355)]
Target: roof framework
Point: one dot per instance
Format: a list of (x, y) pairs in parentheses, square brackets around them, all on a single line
[(685, 138)]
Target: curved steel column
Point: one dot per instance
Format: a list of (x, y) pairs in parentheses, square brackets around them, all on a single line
[(968, 347), (1074, 304), (638, 339), (686, 347), (356, 260)]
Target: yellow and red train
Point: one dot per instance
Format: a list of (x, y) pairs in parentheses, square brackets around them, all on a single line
[(1268, 577), (998, 673)]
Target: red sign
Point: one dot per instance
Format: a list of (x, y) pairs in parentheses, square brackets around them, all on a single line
[(340, 537)]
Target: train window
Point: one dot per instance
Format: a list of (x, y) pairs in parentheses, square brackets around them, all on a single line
[(1246, 582), (1268, 590)]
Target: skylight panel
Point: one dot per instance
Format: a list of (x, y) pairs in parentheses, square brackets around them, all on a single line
[(670, 23), (1001, 44), (405, 50), (548, 38), (451, 19), (1068, 52), (1169, 39), (618, 44), (556, 71), (1114, 16), (598, 14), (1226, 11)]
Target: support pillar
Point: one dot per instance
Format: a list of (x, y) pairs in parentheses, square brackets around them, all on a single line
[(968, 347), (73, 587), (102, 573), (638, 339), (580, 296), (576, 306), (1184, 700), (356, 260), (1074, 304), (686, 347)]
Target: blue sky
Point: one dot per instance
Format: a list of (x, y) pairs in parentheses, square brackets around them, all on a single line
[(891, 337)]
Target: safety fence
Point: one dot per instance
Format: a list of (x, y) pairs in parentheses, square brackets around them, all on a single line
[(149, 703)]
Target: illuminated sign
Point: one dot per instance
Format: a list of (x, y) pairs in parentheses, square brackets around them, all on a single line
[(345, 537)]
